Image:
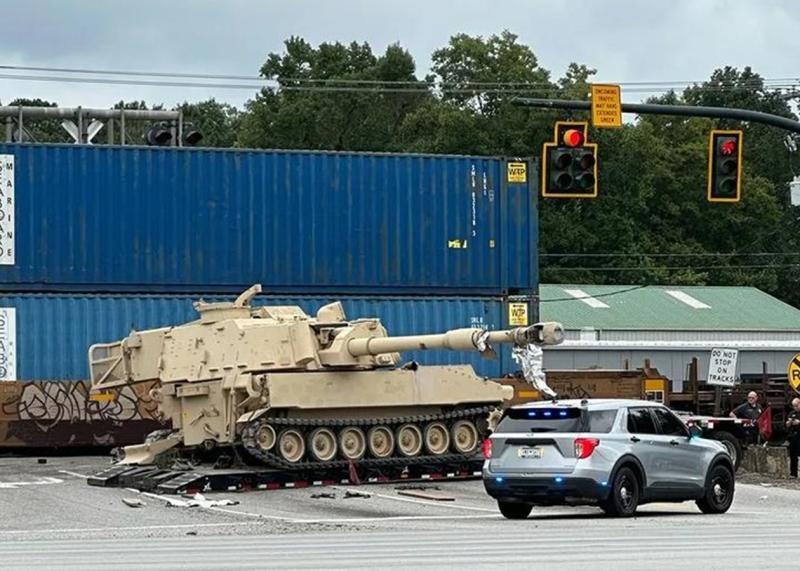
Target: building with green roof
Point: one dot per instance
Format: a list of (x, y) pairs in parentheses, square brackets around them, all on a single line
[(620, 326)]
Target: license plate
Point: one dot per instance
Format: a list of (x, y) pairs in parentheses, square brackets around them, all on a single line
[(525, 452)]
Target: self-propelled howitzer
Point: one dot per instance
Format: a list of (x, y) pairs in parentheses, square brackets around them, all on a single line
[(300, 392)]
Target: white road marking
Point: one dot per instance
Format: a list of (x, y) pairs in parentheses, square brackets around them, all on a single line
[(131, 528), (398, 518), (76, 474), (43, 481)]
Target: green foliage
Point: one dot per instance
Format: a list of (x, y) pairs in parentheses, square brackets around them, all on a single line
[(316, 106)]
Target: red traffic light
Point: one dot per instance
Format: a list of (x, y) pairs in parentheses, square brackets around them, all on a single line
[(573, 138), (728, 147), (724, 166)]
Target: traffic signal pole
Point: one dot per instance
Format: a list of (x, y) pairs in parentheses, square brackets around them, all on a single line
[(681, 110)]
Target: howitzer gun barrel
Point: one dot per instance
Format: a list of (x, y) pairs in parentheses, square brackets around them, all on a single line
[(469, 339)]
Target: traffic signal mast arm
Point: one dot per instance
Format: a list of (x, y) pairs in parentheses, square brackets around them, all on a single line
[(685, 110)]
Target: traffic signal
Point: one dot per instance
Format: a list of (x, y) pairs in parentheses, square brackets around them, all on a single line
[(724, 166), (159, 135), (191, 135), (569, 164)]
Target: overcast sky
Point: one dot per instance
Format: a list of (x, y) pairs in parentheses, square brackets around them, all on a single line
[(624, 40)]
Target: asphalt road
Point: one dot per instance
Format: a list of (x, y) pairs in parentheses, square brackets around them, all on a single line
[(51, 519)]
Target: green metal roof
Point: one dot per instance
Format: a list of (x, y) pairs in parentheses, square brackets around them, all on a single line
[(706, 308)]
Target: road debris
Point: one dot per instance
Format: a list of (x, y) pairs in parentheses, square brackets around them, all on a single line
[(133, 502), (418, 487), (348, 494), (199, 501), (323, 495), (42, 461), (425, 496)]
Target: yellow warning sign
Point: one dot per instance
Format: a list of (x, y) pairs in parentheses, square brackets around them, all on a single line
[(518, 314), (794, 373), (517, 172), (606, 105)]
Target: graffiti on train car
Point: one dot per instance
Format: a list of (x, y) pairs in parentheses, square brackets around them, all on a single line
[(59, 413)]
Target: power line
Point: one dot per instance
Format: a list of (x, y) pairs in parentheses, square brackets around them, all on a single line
[(421, 87), (346, 85), (783, 81), (656, 268), (98, 80), (609, 294), (663, 255)]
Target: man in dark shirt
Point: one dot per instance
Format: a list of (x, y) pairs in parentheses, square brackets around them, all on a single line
[(793, 428), (750, 409)]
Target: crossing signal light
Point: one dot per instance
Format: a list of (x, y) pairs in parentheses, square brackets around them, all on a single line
[(159, 135), (725, 166), (569, 164)]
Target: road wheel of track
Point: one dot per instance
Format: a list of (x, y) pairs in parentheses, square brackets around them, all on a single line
[(322, 444), (437, 438), (513, 510), (625, 494), (265, 437), (291, 445), (380, 440), (465, 437), (718, 495), (352, 443), (409, 440)]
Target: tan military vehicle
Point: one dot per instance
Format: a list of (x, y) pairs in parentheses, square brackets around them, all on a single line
[(302, 392)]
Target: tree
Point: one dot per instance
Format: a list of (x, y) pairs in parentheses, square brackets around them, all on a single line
[(331, 97)]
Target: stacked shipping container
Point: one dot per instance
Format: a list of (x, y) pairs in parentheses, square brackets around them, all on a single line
[(95, 241)]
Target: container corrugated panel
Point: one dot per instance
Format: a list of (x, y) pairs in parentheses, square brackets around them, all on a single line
[(169, 220), (54, 332)]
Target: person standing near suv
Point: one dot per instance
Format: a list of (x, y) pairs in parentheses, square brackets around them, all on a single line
[(793, 427), (750, 409)]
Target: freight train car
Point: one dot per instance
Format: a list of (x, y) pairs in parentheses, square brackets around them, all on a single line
[(82, 218)]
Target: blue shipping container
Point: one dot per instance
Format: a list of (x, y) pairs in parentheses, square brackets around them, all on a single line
[(169, 220), (53, 332)]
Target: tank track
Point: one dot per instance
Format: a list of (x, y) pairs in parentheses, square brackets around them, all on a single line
[(271, 459)]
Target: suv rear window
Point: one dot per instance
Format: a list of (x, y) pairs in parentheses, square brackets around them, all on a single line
[(557, 419)]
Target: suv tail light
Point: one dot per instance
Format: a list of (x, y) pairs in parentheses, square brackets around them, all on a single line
[(585, 446), (487, 449)]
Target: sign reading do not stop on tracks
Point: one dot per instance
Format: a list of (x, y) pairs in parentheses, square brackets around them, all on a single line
[(722, 367)]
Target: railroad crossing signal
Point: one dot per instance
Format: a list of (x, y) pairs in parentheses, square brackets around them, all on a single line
[(794, 373), (569, 163), (724, 166)]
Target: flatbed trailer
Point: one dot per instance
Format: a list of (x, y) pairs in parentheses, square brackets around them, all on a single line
[(205, 478), (735, 433)]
